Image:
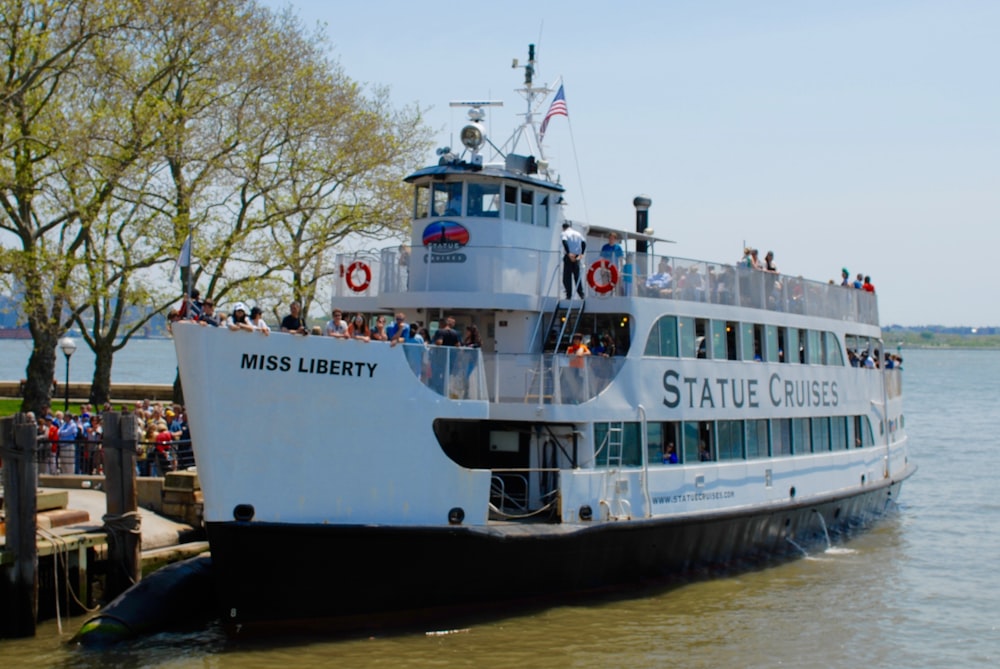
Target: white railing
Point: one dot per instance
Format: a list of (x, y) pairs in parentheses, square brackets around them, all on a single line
[(528, 272)]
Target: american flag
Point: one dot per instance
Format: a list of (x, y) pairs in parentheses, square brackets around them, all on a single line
[(557, 108)]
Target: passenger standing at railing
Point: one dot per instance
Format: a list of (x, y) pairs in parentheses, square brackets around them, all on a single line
[(398, 331), (95, 438), (208, 315), (238, 320), (447, 335), (163, 440), (358, 328), (769, 265), (472, 338), (574, 246), (52, 432), (577, 351), (379, 332), (612, 251), (68, 432), (336, 326), (293, 323), (257, 321)]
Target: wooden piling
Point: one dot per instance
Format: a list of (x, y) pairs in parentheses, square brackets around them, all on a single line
[(122, 521), (19, 604)]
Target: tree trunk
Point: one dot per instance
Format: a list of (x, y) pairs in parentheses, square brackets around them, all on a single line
[(100, 385), (41, 372)]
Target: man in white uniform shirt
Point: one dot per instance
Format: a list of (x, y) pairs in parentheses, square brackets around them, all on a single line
[(574, 245)]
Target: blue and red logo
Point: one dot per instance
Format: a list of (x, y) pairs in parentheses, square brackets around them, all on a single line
[(444, 239)]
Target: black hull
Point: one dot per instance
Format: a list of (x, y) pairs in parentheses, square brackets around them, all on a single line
[(361, 577)]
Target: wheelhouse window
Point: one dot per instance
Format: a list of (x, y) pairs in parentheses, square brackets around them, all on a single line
[(448, 199), (510, 203), (542, 211), (484, 200), (526, 214), (422, 201)]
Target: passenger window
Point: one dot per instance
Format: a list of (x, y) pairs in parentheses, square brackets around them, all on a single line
[(662, 340), (687, 336), (834, 354), (771, 338), (746, 341), (720, 340)]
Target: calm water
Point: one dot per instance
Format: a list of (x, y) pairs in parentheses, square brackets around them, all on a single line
[(920, 590), (141, 361)]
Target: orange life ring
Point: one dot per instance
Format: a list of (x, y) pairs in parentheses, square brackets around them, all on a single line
[(612, 274), (365, 269)]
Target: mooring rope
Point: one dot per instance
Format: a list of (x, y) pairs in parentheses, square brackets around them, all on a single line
[(118, 526)]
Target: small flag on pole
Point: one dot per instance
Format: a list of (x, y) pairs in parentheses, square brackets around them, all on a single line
[(184, 259), (557, 108)]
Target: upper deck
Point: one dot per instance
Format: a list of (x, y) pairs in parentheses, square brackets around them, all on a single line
[(502, 276), (489, 236)]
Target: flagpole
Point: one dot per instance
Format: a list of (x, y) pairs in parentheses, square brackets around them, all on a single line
[(190, 243)]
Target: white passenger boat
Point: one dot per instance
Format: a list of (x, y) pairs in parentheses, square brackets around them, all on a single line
[(355, 482)]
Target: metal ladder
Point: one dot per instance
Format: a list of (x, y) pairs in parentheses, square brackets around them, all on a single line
[(618, 506), (616, 444)]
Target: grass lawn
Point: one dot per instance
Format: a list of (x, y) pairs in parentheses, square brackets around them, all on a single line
[(9, 407)]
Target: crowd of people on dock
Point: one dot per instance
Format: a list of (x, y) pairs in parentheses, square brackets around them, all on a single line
[(72, 443)]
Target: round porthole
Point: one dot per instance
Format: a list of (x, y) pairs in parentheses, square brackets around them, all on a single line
[(456, 516)]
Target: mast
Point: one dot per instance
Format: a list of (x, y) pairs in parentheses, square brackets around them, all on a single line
[(534, 97)]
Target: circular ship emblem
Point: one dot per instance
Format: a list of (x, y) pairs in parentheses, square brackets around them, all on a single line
[(445, 239)]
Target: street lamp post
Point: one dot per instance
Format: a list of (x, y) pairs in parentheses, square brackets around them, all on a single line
[(68, 347)]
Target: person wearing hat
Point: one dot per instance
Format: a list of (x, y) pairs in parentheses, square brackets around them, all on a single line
[(257, 321), (208, 315), (574, 244), (845, 277), (239, 319)]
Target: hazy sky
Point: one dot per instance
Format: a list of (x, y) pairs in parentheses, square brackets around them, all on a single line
[(857, 134)]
